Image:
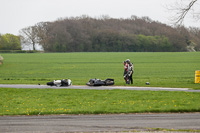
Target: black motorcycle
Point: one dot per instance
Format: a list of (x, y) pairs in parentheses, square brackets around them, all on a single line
[(99, 82)]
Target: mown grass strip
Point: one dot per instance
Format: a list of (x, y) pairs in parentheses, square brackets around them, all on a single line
[(70, 101)]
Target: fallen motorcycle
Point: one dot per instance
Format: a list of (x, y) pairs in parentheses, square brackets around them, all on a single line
[(99, 82), (58, 83)]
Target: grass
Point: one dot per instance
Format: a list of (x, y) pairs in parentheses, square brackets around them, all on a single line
[(160, 69), (72, 101), (172, 130)]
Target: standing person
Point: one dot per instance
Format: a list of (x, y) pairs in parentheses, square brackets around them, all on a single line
[(130, 70), (125, 67), (126, 72)]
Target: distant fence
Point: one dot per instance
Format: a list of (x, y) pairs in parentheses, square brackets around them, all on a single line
[(19, 51)]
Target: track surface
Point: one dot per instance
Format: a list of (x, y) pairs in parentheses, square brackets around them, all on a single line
[(96, 87), (97, 123)]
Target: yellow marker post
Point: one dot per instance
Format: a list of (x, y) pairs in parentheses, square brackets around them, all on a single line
[(197, 76)]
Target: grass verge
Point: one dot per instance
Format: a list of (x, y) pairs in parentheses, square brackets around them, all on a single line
[(171, 130), (75, 101)]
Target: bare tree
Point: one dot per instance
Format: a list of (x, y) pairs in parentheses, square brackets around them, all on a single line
[(42, 33), (184, 8), (28, 36)]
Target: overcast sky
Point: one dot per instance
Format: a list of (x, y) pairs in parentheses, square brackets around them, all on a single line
[(18, 14)]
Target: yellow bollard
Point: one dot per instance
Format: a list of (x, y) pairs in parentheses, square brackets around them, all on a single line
[(197, 76)]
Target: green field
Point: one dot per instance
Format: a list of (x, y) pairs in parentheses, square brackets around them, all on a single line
[(160, 69), (72, 101)]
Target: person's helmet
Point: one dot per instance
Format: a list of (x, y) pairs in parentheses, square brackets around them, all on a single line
[(128, 60)]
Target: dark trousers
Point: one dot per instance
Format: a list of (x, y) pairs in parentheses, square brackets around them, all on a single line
[(131, 79)]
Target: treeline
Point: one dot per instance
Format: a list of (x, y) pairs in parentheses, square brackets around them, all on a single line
[(77, 34), (9, 42)]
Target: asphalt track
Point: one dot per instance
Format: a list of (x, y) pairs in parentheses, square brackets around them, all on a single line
[(96, 87), (99, 123)]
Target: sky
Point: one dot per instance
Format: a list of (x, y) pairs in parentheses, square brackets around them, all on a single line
[(18, 14)]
